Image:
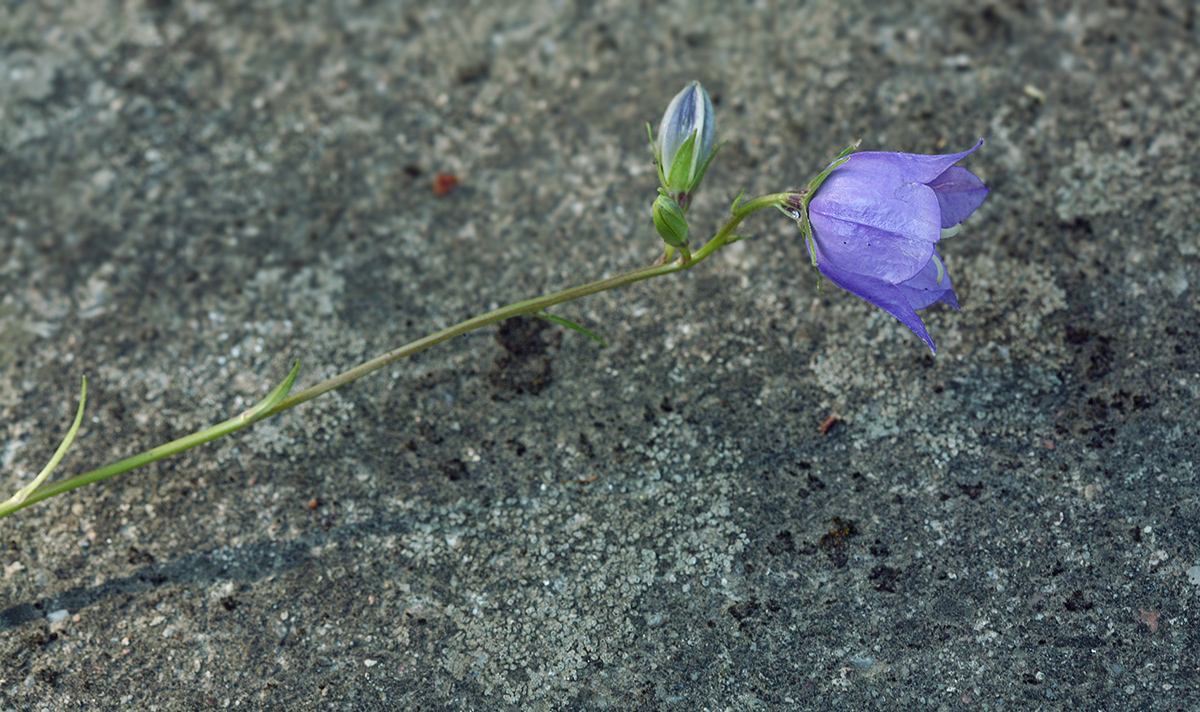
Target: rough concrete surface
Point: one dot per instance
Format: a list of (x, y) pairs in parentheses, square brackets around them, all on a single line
[(194, 195)]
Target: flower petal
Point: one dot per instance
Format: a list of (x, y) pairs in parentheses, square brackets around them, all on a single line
[(889, 297), (925, 290), (874, 223), (960, 193), (914, 167)]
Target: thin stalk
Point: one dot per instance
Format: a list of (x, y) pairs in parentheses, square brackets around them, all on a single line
[(278, 400)]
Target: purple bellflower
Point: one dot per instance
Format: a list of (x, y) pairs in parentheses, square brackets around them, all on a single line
[(873, 219)]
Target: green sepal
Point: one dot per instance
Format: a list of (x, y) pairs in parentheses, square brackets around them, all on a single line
[(679, 171), (849, 149), (816, 182), (813, 185), (842, 158), (657, 155), (704, 166), (569, 324)]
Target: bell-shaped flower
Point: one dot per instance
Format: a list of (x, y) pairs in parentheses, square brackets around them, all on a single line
[(685, 142), (875, 219)]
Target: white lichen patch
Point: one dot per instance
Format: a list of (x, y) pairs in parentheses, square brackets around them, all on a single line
[(571, 591), (1098, 184)]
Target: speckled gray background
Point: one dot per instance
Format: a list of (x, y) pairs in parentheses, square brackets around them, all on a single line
[(194, 195)]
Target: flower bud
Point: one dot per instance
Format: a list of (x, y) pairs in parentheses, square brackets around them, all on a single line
[(685, 139), (670, 221)]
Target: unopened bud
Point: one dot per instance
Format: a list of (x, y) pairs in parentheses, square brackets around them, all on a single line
[(685, 141), (670, 221)]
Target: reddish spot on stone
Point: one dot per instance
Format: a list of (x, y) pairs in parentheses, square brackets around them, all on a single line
[(444, 184)]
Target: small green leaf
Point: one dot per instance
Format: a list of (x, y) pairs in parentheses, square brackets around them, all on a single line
[(28, 489), (273, 398), (737, 201), (569, 324)]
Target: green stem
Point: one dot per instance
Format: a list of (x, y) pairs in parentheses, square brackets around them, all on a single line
[(278, 400)]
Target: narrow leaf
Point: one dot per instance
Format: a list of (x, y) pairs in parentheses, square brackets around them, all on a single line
[(569, 324), (273, 398), (737, 201), (28, 489)]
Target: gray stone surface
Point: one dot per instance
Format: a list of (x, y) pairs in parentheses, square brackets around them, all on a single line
[(193, 195)]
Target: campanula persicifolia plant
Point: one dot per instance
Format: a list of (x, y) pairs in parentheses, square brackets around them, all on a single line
[(871, 222)]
